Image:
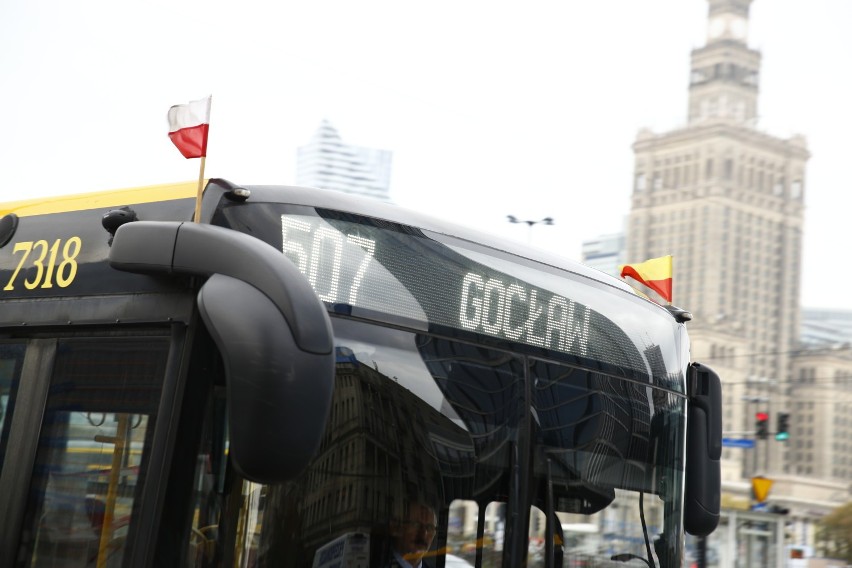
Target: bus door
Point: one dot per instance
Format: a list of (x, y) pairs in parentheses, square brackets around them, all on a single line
[(79, 416), (11, 359)]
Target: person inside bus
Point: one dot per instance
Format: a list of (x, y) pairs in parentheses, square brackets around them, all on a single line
[(412, 535)]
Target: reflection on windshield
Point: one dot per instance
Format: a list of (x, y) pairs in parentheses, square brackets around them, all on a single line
[(390, 464), (454, 454)]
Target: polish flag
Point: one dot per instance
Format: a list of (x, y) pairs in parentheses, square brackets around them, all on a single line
[(188, 127)]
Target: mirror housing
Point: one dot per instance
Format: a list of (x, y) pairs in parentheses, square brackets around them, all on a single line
[(272, 331), (277, 396), (702, 495)]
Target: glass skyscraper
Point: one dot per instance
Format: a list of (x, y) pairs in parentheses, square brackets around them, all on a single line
[(329, 163)]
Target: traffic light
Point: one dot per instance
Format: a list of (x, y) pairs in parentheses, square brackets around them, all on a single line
[(782, 432), (762, 424)]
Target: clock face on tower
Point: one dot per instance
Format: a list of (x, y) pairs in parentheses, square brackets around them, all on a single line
[(739, 28), (717, 27)]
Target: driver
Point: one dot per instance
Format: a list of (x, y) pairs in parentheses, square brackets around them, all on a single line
[(412, 535)]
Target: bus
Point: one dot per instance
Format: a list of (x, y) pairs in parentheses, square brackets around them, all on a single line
[(298, 365)]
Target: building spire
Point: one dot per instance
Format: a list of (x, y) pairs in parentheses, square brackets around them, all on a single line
[(728, 21), (724, 78)]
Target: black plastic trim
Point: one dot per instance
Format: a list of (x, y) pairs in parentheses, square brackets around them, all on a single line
[(278, 395), (272, 331), (702, 496), (23, 443), (193, 248)]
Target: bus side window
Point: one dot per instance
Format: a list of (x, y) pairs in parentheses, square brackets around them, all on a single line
[(11, 358), (90, 463), (210, 487)]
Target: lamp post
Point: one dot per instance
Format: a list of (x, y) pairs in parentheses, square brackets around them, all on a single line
[(545, 221)]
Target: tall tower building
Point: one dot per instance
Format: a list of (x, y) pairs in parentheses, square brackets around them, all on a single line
[(328, 163), (724, 76), (727, 201)]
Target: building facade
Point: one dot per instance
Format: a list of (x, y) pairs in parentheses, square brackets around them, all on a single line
[(727, 201), (820, 442), (329, 163)]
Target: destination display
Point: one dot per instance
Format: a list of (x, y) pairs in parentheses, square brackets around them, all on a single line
[(412, 278), (401, 271)]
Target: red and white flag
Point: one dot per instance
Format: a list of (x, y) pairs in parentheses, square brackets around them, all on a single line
[(188, 127)]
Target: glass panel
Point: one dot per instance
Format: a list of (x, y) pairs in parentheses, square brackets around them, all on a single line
[(417, 423), (608, 455), (469, 536), (445, 451), (11, 359), (209, 487), (90, 464), (537, 545)]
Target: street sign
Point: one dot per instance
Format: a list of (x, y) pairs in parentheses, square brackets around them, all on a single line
[(737, 443)]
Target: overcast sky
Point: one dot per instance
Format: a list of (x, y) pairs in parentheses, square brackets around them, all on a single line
[(490, 107)]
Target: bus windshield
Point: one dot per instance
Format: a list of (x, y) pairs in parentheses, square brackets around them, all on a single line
[(488, 410)]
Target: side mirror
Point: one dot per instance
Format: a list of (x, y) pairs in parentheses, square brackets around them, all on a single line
[(272, 331), (702, 499), (278, 394)]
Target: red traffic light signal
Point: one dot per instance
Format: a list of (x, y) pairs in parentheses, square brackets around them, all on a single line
[(762, 424)]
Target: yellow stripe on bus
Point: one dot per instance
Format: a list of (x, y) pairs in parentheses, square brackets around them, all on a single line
[(99, 199)]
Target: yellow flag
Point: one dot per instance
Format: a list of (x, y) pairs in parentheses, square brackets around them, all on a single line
[(655, 273)]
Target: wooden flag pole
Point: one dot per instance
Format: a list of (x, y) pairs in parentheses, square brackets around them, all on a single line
[(200, 190)]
